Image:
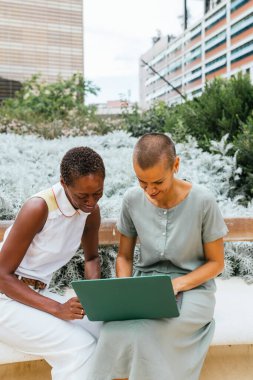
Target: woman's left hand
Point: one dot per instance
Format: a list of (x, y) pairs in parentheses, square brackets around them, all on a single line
[(70, 310), (214, 254), (176, 285)]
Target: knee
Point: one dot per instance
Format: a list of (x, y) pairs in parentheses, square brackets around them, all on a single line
[(80, 341)]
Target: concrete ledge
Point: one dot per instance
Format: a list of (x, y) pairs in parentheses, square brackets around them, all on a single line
[(222, 363), (228, 363), (233, 313), (10, 355), (29, 370)]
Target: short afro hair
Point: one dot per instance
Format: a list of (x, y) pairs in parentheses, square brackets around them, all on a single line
[(79, 162), (151, 148)]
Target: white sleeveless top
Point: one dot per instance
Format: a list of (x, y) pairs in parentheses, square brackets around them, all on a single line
[(59, 239)]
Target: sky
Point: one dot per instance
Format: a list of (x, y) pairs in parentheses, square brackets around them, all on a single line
[(117, 33)]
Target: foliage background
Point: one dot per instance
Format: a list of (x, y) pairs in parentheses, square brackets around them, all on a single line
[(214, 136), (52, 110), (29, 164), (224, 108)]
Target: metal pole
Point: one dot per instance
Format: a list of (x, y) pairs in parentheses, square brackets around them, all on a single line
[(207, 5), (164, 79), (185, 15)]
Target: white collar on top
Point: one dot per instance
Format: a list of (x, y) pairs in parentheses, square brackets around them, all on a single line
[(63, 203)]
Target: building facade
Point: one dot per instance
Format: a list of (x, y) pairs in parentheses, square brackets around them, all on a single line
[(114, 107), (38, 36), (220, 44)]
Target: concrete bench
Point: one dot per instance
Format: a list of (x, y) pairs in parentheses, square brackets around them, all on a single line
[(231, 353)]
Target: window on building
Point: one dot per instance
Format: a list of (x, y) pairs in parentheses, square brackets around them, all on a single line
[(173, 48), (242, 51), (215, 41), (197, 92), (193, 54), (175, 66), (215, 18), (235, 4), (216, 64), (8, 88), (242, 25), (193, 75), (196, 32)]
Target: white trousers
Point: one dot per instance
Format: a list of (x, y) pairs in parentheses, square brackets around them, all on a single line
[(66, 345)]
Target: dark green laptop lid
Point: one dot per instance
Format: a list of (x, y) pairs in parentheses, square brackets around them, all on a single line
[(147, 297)]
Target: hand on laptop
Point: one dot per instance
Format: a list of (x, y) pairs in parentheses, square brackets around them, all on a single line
[(72, 309)]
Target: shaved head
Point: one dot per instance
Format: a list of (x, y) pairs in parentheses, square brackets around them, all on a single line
[(152, 148)]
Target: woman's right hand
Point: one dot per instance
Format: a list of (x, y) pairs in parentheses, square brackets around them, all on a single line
[(72, 309)]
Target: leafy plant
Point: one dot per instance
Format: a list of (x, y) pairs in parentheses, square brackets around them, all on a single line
[(52, 109), (220, 120), (48, 101), (244, 144), (29, 164), (153, 120)]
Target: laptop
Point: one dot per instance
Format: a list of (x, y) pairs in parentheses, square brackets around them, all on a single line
[(117, 299)]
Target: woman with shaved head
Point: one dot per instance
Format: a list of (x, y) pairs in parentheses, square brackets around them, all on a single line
[(181, 231)]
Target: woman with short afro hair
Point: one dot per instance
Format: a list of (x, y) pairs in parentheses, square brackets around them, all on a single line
[(46, 234)]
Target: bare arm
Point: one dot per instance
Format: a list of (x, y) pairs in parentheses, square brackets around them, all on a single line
[(124, 262), (29, 222), (214, 253), (90, 245)]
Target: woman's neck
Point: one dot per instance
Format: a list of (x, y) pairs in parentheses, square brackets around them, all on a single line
[(178, 191)]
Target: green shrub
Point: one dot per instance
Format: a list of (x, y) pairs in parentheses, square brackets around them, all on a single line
[(52, 109), (223, 109), (138, 123), (41, 101), (244, 145)]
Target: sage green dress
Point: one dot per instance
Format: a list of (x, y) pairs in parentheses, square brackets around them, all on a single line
[(171, 242)]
